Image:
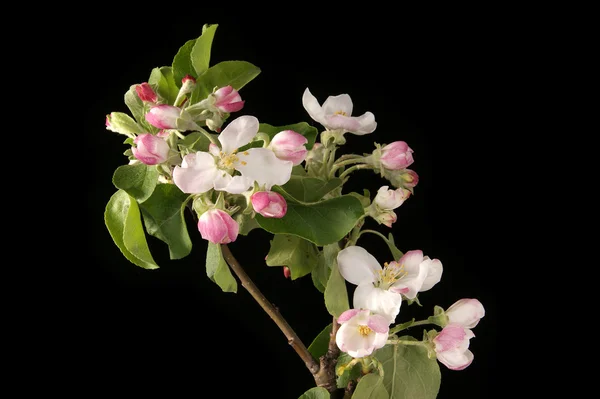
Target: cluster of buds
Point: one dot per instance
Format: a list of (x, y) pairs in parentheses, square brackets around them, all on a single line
[(386, 200), (392, 162)]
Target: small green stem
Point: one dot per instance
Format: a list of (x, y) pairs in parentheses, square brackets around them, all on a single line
[(339, 164), (208, 136), (401, 327), (355, 168), (374, 232)]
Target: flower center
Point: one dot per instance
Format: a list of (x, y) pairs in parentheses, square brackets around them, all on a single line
[(340, 113), (364, 330), (228, 160), (391, 273)]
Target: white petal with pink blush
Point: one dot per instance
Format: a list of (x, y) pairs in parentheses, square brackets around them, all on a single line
[(361, 332)]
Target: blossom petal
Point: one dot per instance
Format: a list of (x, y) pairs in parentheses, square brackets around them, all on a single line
[(340, 104), (366, 124), (238, 133), (263, 166), (231, 184), (311, 105), (434, 274), (383, 302), (379, 324), (456, 359), (347, 315), (356, 265), (196, 173)]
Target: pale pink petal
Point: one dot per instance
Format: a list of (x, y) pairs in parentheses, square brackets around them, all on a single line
[(347, 315), (238, 133), (263, 166), (380, 340), (466, 312), (232, 184), (456, 359), (356, 265), (311, 105), (383, 302), (379, 324), (366, 124), (434, 273), (196, 173), (340, 104)]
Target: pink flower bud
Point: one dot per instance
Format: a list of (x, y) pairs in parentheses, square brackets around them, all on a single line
[(145, 92), (410, 178), (289, 146), (387, 218), (397, 155), (269, 204), (163, 116), (218, 227), (228, 99), (286, 272), (107, 121), (188, 77), (391, 199), (465, 312), (150, 149), (451, 347)]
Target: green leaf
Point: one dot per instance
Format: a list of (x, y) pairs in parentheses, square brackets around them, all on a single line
[(135, 104), (320, 344), (234, 73), (371, 386), (320, 274), (349, 373), (307, 189), (164, 219), (299, 255), (315, 393), (123, 220), (200, 54), (321, 223), (124, 123), (336, 294), (218, 270), (138, 180), (408, 371), (162, 81), (195, 141), (182, 62), (303, 128)]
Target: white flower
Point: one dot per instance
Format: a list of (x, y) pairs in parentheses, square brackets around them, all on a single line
[(465, 312), (452, 347), (201, 171), (336, 114), (381, 289), (391, 199), (361, 332)]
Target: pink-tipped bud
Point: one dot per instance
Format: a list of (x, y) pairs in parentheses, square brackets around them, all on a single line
[(410, 178), (386, 218), (451, 347), (107, 121), (465, 312), (163, 116), (396, 155), (228, 99), (218, 227), (391, 199), (150, 149), (289, 146), (269, 204), (286, 272), (145, 92), (187, 78)]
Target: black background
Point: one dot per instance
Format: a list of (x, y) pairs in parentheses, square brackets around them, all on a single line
[(172, 332)]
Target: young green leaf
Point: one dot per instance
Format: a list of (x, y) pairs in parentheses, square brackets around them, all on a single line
[(299, 255), (408, 371), (135, 104), (336, 294), (200, 53), (307, 189), (321, 223), (218, 270), (226, 73), (320, 344), (315, 393), (370, 386), (125, 124), (182, 62), (164, 219), (138, 180), (123, 221), (162, 81), (320, 274)]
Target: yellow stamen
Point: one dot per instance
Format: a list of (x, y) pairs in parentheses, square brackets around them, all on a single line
[(364, 330), (228, 161), (246, 153), (244, 163), (340, 113)]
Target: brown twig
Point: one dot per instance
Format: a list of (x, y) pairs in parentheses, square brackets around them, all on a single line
[(283, 325), (326, 377)]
